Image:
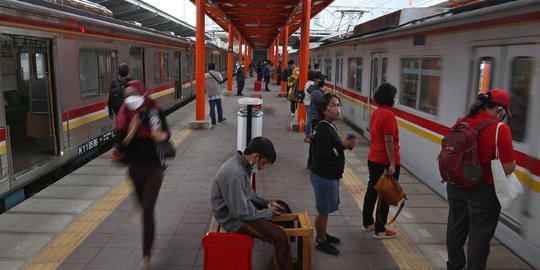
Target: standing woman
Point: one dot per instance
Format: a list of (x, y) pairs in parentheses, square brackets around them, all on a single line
[(292, 83), (328, 163), (474, 212), (142, 125), (383, 156)]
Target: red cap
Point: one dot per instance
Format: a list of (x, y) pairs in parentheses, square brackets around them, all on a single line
[(501, 97)]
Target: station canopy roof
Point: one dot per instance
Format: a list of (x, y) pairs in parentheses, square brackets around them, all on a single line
[(259, 22), (146, 15)]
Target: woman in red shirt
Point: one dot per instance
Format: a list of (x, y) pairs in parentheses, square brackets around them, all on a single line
[(474, 212), (383, 155)]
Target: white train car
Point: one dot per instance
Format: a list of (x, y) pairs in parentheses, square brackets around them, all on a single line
[(439, 64), (56, 68)]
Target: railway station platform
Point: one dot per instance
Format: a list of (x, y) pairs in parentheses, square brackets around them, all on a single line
[(90, 220)]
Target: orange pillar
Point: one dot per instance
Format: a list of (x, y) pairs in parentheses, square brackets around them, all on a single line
[(240, 56), (199, 61), (304, 60), (230, 60), (284, 60), (276, 59), (246, 64)]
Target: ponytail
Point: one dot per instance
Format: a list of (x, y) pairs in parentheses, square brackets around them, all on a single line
[(484, 102)]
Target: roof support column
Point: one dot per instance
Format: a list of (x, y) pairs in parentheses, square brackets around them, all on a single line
[(240, 56), (304, 60), (230, 64), (275, 59), (248, 56), (284, 60), (199, 60)]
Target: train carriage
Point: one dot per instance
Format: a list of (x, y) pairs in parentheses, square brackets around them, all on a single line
[(439, 63), (56, 67)]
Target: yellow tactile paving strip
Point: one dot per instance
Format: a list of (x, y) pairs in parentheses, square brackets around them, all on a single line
[(401, 248), (64, 244)]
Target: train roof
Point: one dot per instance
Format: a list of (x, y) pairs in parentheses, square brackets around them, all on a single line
[(414, 18)]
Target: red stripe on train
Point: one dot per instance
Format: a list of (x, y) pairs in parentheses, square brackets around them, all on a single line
[(522, 159), (2, 134)]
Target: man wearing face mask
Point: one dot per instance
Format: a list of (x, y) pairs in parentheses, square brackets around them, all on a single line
[(238, 209), (316, 92)]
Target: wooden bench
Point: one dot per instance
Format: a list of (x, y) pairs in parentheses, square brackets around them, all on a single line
[(303, 230)]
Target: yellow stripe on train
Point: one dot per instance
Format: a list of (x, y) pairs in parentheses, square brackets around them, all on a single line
[(77, 122), (162, 93)]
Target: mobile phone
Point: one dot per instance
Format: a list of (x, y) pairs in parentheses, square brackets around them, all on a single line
[(351, 136)]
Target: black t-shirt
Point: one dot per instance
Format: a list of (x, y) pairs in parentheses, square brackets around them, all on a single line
[(328, 158), (116, 95)]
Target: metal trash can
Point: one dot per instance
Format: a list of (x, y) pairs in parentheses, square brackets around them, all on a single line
[(243, 136)]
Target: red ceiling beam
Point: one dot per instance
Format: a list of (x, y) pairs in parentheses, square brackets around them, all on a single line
[(256, 2)]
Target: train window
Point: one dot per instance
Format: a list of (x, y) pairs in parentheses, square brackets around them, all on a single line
[(161, 67), (384, 66), (102, 71), (25, 66), (420, 82), (485, 67), (136, 58), (41, 65), (520, 90), (328, 69), (355, 74), (114, 66), (88, 72)]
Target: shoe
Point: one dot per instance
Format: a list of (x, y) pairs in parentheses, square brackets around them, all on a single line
[(307, 139), (385, 235), (213, 126), (267, 90), (224, 120), (239, 94), (332, 239), (368, 228), (145, 264), (326, 247)]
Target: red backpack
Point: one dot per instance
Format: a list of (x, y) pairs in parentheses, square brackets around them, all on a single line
[(458, 161)]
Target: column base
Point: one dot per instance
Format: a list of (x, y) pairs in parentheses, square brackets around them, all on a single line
[(227, 93), (199, 125)]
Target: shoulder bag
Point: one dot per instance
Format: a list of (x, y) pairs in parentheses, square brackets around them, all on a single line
[(507, 186), (390, 192)]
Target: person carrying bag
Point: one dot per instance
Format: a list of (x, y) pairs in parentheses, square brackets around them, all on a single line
[(507, 186), (389, 190)]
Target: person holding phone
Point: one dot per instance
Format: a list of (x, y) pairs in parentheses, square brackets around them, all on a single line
[(328, 164), (238, 209), (212, 81), (383, 156)]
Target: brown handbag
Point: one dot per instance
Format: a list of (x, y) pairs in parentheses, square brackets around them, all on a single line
[(389, 190)]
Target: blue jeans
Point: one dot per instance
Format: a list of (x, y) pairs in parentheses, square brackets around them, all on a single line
[(213, 103), (307, 127)]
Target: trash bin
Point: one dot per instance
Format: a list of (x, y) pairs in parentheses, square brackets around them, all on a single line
[(255, 122)]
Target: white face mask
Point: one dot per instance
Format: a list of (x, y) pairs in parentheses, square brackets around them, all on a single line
[(134, 102), (254, 167)]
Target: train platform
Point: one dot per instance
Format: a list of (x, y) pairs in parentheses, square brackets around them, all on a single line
[(90, 220)]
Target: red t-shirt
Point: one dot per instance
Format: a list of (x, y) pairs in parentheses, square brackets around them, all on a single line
[(383, 122), (486, 143)]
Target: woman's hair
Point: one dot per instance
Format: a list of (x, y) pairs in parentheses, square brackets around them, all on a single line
[(262, 146), (211, 66), (324, 102), (484, 102), (385, 94)]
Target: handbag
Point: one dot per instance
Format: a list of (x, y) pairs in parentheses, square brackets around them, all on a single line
[(507, 186), (389, 190)]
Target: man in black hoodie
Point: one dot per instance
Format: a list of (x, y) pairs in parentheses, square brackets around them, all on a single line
[(116, 94)]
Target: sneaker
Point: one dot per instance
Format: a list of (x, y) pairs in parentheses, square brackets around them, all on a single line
[(224, 120), (307, 139), (385, 235), (332, 239), (326, 247), (368, 228), (213, 126)]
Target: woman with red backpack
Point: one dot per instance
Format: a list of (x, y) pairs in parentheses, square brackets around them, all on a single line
[(474, 211)]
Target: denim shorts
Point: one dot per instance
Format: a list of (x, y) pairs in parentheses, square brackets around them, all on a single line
[(326, 193)]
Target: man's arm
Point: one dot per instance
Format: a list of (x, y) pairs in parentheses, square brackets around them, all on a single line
[(240, 207)]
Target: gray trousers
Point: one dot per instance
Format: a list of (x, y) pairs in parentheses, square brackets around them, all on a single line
[(474, 213)]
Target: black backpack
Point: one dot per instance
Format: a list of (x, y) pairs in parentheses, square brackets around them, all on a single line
[(116, 95)]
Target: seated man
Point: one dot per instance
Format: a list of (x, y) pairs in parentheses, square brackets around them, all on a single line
[(238, 209)]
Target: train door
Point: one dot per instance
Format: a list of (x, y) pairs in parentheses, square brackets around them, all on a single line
[(379, 64), (136, 60), (178, 76), (512, 67), (28, 103)]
